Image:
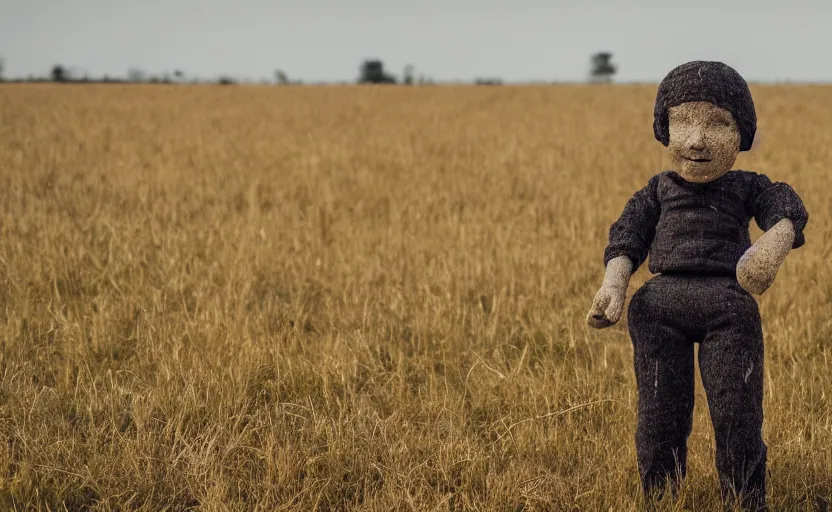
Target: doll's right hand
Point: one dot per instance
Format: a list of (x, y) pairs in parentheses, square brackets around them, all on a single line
[(606, 307)]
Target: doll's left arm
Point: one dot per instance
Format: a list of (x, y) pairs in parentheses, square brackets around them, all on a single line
[(780, 212)]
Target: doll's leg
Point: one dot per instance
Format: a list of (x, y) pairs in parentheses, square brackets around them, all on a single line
[(663, 360), (731, 364)]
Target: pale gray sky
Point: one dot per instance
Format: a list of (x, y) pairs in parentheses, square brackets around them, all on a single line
[(326, 40)]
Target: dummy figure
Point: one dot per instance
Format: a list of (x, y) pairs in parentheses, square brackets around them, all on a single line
[(693, 221)]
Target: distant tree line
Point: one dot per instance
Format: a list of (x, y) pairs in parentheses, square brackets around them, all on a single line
[(372, 71)]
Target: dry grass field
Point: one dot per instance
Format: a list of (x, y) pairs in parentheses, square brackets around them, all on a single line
[(357, 298)]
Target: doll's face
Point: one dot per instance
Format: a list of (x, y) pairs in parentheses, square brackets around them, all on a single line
[(704, 140)]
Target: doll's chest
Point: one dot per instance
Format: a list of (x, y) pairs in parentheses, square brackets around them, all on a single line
[(712, 210), (724, 201)]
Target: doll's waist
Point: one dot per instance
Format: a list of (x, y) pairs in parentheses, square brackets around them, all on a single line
[(700, 273)]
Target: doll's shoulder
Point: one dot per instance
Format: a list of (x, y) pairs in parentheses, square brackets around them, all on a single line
[(653, 186), (663, 177), (751, 177), (759, 189), (665, 183), (751, 183)]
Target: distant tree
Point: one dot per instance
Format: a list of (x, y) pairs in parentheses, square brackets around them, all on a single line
[(2, 68), (280, 77), (372, 72), (136, 75), (59, 73), (602, 70), (226, 80), (488, 81), (408, 77)]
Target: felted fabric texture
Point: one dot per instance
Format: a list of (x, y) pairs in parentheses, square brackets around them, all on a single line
[(666, 317), (701, 227), (710, 81)]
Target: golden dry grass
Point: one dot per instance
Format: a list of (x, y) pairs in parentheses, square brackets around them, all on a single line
[(360, 299)]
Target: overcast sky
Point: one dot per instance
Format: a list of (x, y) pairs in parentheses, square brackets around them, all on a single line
[(326, 40)]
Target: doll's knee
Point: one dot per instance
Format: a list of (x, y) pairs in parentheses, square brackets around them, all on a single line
[(742, 429)]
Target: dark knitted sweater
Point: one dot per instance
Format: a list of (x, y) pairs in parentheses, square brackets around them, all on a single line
[(701, 228)]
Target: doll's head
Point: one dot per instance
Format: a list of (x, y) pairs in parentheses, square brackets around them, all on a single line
[(704, 114)]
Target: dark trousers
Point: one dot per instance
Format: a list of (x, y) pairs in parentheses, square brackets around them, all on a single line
[(666, 317)]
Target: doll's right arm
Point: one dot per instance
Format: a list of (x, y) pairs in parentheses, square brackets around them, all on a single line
[(608, 303), (629, 243)]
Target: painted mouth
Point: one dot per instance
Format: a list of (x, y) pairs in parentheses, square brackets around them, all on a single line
[(698, 160)]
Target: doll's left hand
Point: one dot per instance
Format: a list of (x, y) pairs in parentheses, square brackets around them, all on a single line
[(758, 267)]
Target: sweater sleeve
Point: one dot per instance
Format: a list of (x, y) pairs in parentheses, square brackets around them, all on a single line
[(633, 232), (773, 202)]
